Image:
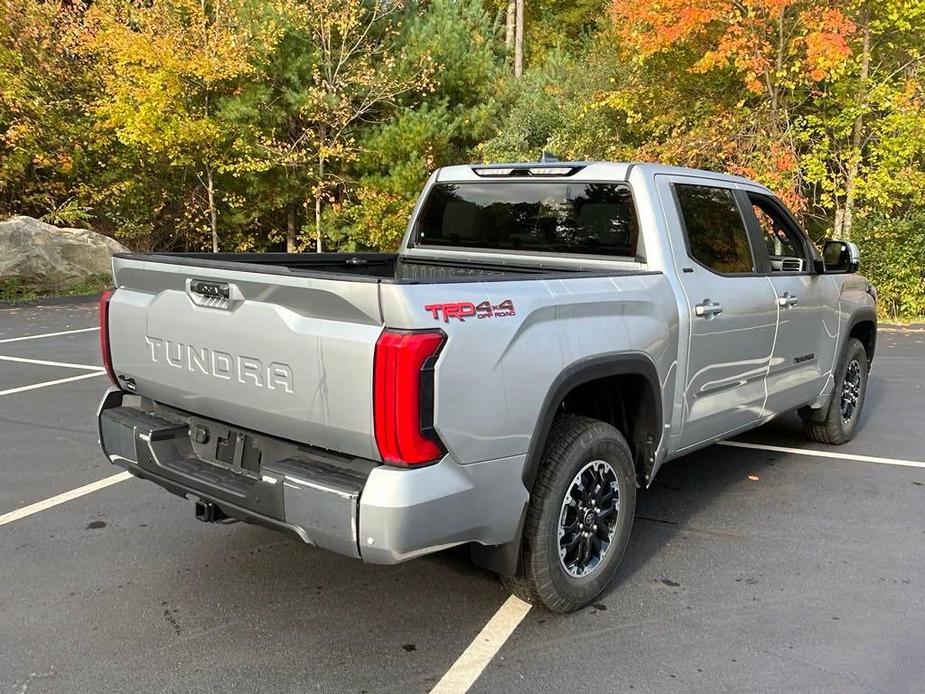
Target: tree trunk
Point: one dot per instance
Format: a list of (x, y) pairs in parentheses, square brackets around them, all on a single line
[(292, 226), (210, 185), (318, 193), (850, 198), (519, 39), (857, 135), (213, 216), (839, 223), (509, 24)]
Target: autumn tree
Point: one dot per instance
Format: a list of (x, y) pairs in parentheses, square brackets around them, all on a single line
[(346, 78), (864, 139), (440, 125), (46, 85), (168, 64), (779, 51), (260, 124)]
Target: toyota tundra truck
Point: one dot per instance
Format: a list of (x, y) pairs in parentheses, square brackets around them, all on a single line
[(547, 336)]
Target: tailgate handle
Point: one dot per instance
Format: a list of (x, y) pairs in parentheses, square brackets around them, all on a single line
[(213, 294), (210, 289)]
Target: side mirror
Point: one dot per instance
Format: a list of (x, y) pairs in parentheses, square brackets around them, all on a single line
[(838, 257)]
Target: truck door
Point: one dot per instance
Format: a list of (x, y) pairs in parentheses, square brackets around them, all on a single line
[(807, 327), (732, 308)]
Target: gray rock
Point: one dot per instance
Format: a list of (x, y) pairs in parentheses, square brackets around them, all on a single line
[(43, 255)]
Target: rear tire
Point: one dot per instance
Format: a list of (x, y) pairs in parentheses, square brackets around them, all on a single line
[(844, 411), (580, 516)]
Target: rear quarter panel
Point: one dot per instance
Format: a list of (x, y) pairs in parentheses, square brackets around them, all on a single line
[(494, 373)]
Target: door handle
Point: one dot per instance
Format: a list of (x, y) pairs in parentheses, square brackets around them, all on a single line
[(787, 300), (708, 309)]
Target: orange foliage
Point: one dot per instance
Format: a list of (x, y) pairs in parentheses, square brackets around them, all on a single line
[(650, 26), (826, 41), (749, 35), (779, 49)]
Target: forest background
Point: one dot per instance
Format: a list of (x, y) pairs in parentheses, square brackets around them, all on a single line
[(257, 125)]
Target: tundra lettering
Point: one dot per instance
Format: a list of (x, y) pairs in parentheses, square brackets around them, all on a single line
[(648, 311), (213, 362)]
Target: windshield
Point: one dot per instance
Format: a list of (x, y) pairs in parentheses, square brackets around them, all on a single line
[(549, 217)]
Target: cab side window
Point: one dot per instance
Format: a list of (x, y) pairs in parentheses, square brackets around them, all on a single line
[(715, 230), (785, 248)]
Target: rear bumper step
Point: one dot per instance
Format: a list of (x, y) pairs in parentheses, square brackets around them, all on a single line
[(302, 494)]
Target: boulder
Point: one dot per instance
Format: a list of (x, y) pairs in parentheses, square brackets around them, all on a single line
[(42, 255)]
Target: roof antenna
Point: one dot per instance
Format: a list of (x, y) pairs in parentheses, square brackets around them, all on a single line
[(548, 156)]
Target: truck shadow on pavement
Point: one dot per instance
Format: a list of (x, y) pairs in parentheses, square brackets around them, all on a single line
[(667, 510), (689, 486)]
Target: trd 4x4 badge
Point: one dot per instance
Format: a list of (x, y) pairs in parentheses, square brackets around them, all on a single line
[(466, 309)]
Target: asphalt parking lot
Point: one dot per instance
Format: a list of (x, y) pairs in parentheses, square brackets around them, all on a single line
[(750, 569)]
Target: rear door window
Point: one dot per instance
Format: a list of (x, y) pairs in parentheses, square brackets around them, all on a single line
[(714, 229), (535, 216)]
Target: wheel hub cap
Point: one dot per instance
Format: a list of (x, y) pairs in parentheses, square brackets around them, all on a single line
[(588, 518), (851, 391)]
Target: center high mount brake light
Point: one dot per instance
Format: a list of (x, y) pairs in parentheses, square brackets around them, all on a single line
[(501, 171)]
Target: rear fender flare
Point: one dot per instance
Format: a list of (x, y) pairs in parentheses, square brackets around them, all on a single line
[(583, 371), (505, 559)]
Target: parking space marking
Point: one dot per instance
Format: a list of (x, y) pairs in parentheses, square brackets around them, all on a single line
[(467, 668), (45, 384), (36, 337), (824, 454), (63, 497), (43, 362)]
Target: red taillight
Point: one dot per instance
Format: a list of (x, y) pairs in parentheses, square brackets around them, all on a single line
[(403, 396), (104, 335)]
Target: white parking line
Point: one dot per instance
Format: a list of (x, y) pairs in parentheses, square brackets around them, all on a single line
[(45, 384), (43, 362), (467, 668), (824, 454), (36, 337), (61, 498)]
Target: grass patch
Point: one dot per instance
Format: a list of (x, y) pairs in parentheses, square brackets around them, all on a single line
[(14, 290), (915, 320)]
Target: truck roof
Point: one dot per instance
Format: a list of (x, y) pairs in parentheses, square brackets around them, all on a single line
[(575, 170)]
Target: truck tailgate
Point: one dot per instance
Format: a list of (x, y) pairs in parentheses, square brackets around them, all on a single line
[(287, 355)]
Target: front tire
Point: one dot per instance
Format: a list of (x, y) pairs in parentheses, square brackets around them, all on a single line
[(580, 516), (841, 418)]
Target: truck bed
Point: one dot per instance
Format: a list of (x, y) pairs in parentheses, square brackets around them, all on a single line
[(381, 267)]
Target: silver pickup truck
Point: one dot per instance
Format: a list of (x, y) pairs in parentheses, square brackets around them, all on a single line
[(547, 336)]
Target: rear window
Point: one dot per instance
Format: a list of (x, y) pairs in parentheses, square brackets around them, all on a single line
[(716, 234), (586, 218)]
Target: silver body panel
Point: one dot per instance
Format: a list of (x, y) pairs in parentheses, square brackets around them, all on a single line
[(291, 356), (806, 331)]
